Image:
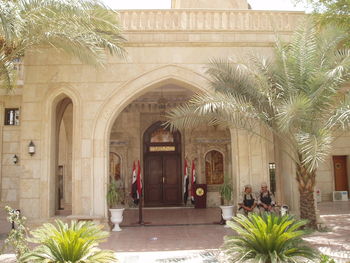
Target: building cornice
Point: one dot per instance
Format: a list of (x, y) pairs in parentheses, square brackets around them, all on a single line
[(208, 20)]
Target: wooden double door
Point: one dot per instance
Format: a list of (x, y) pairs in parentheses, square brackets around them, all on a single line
[(162, 166), (162, 180)]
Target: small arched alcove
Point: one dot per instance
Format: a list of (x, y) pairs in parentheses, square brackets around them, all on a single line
[(214, 167)]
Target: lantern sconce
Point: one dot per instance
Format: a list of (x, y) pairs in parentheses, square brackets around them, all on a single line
[(15, 159), (31, 148)]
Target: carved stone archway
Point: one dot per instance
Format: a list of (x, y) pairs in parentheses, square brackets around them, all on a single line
[(124, 95)]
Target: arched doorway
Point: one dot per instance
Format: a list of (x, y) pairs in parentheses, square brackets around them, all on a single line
[(64, 141), (106, 129), (162, 166)]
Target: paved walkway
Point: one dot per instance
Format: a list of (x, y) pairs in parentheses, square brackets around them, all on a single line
[(199, 242), (167, 238), (335, 240)]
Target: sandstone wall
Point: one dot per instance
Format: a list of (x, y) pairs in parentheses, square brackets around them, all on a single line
[(10, 146), (164, 47)]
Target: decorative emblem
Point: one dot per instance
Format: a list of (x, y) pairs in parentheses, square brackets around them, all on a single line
[(337, 166), (200, 191)]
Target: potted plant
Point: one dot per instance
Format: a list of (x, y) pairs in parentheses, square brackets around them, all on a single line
[(113, 200), (226, 197)]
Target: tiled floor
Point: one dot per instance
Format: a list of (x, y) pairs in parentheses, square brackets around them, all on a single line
[(165, 238), (172, 216), (191, 232), (169, 229), (334, 242)]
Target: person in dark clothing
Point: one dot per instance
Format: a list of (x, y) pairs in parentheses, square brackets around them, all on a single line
[(247, 202), (266, 200)]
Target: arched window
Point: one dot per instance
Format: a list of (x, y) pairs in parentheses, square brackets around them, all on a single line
[(214, 167), (114, 166)]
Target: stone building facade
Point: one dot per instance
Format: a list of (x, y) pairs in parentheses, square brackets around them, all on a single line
[(88, 123)]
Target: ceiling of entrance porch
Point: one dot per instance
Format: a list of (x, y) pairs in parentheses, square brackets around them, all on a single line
[(169, 92)]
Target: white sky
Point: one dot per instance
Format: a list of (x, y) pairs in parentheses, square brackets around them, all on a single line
[(164, 4)]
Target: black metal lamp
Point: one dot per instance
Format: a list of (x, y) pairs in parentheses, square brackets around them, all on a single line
[(31, 148), (15, 159)]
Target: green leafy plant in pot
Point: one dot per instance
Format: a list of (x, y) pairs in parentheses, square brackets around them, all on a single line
[(113, 195), (226, 192), (226, 197), (113, 201)]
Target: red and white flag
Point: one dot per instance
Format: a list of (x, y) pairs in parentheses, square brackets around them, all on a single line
[(193, 181), (134, 193), (186, 182), (139, 180)]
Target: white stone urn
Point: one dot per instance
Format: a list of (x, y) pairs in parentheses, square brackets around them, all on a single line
[(116, 218), (227, 213)]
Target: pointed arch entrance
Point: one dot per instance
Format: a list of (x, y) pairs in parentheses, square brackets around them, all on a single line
[(63, 160), (162, 166), (111, 110)]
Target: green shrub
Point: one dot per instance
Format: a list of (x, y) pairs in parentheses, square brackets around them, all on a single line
[(326, 259), (266, 239), (76, 243), (226, 191), (113, 195), (16, 238)]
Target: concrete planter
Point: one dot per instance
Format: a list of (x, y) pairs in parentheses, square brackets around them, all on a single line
[(116, 218), (227, 213)]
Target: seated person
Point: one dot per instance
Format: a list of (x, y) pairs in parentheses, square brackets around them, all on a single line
[(266, 200), (247, 203)]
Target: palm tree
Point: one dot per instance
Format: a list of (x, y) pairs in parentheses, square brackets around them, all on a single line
[(267, 238), (76, 243), (299, 96), (82, 28)]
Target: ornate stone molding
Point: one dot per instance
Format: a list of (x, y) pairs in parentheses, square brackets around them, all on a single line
[(212, 141), (118, 143), (208, 20)]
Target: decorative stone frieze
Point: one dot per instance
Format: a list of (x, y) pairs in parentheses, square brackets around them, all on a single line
[(208, 20)]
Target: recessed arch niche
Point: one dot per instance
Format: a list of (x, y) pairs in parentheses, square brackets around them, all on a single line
[(214, 167), (64, 151)]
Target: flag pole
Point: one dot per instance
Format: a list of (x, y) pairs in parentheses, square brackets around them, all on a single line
[(140, 190), (140, 211)]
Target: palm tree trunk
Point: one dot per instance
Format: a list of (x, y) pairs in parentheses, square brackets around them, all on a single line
[(306, 183)]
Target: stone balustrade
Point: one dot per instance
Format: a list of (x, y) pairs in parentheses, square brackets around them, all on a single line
[(208, 20)]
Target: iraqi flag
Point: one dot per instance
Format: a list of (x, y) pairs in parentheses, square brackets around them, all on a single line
[(186, 182), (193, 181), (139, 180), (134, 194)]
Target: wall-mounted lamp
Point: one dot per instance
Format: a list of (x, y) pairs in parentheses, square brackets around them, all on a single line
[(15, 159), (31, 148)]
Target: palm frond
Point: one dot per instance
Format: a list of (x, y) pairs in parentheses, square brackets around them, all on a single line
[(340, 117), (213, 108), (85, 29), (63, 243), (314, 147), (292, 113), (229, 77), (267, 238)]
